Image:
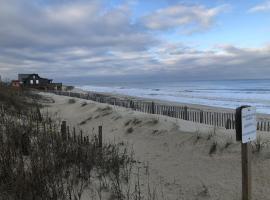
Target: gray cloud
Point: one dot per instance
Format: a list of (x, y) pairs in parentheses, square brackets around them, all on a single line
[(87, 39), (179, 62), (225, 62), (67, 25), (46, 37), (199, 17)]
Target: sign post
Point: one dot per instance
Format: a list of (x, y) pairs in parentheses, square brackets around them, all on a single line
[(245, 119)]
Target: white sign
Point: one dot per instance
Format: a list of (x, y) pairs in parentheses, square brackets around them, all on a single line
[(249, 124)]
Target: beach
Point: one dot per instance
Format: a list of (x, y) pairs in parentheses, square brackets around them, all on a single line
[(184, 159)]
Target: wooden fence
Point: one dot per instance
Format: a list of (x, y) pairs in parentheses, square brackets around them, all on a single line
[(218, 119), (46, 127)]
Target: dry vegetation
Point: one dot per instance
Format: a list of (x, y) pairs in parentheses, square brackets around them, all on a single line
[(17, 100), (39, 161)]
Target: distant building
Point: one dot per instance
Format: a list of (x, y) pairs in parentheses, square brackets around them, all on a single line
[(37, 82), (15, 83), (33, 80)]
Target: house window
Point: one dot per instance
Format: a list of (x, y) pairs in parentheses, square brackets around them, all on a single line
[(31, 82), (37, 82), (34, 77)]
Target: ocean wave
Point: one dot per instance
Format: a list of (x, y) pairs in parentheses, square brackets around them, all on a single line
[(222, 94)]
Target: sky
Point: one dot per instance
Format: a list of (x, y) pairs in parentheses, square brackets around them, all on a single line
[(78, 40)]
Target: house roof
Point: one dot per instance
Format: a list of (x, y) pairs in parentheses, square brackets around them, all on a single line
[(22, 77)]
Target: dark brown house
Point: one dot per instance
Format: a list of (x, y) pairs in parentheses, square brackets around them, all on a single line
[(37, 82)]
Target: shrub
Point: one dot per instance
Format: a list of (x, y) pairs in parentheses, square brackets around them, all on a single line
[(154, 121), (228, 143), (85, 121), (213, 148), (36, 162), (258, 144), (127, 122), (130, 130), (71, 101), (84, 104)]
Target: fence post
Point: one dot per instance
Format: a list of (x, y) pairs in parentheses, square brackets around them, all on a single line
[(185, 113), (74, 134), (25, 141), (64, 130), (201, 117), (1, 135), (68, 133), (81, 138), (100, 136), (153, 108)]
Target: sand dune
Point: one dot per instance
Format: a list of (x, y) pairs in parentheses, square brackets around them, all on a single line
[(185, 160)]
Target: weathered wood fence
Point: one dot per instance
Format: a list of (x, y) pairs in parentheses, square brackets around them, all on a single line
[(209, 117), (45, 128)]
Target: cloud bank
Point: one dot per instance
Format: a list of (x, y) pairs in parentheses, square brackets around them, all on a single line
[(91, 39), (176, 16)]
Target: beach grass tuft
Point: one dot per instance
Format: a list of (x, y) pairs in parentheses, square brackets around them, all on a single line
[(130, 130), (83, 104), (213, 148), (71, 101)]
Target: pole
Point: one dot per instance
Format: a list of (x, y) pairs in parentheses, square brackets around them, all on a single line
[(245, 155), (246, 171), (100, 136)]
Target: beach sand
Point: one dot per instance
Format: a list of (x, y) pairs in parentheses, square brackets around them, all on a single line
[(176, 153)]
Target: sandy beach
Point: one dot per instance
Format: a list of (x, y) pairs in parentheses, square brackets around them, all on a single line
[(185, 160)]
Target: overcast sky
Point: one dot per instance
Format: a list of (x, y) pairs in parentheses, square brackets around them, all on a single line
[(134, 39)]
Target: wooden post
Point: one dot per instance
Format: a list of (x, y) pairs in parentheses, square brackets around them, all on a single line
[(74, 134), (246, 171), (37, 127), (100, 136), (68, 133), (245, 149), (81, 138), (201, 117), (50, 126), (153, 108), (44, 128), (185, 113), (1, 135), (25, 144), (223, 120), (64, 130)]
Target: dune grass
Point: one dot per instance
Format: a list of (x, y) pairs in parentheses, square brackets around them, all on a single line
[(38, 162)]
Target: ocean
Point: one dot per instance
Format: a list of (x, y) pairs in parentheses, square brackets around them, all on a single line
[(227, 94)]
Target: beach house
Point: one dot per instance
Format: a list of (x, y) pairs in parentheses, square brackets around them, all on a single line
[(37, 82)]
